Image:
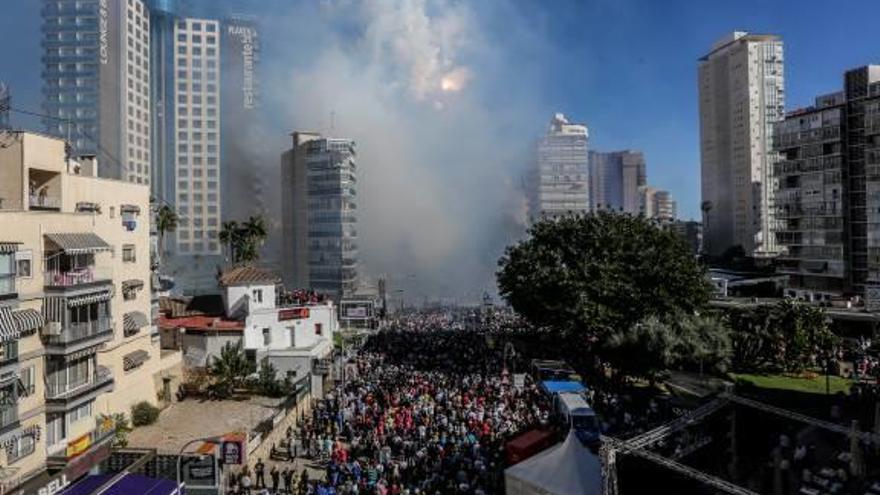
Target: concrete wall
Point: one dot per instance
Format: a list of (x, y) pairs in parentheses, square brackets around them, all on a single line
[(287, 334)]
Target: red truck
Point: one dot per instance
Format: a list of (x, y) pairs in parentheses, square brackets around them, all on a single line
[(528, 444)]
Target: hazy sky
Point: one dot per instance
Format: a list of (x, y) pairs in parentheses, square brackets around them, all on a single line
[(446, 97)]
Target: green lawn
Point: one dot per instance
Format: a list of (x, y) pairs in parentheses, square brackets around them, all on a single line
[(814, 385)]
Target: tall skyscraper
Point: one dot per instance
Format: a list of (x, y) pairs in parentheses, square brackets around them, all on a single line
[(96, 82), (187, 172), (615, 179), (741, 85), (829, 192), (560, 179), (319, 211)]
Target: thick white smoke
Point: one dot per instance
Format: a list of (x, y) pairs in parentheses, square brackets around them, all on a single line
[(443, 126)]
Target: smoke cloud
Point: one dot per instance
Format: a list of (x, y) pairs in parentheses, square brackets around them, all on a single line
[(444, 114)]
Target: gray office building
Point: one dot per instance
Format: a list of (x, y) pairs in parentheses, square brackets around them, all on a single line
[(615, 179), (319, 215)]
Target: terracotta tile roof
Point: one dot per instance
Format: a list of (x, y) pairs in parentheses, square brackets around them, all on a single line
[(201, 323), (248, 274)]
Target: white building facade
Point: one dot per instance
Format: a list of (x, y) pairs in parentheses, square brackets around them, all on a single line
[(741, 87)]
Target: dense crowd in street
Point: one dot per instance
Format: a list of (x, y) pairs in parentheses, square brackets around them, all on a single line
[(427, 410)]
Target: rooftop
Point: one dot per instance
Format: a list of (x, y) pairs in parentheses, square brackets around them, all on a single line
[(248, 274), (202, 323)]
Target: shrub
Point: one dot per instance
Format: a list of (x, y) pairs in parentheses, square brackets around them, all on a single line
[(144, 413)]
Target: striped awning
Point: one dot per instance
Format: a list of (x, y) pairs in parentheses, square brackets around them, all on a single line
[(85, 206), (134, 320), (9, 330), (133, 284), (54, 308), (78, 243), (134, 359), (88, 299), (28, 319), (9, 247), (130, 209)]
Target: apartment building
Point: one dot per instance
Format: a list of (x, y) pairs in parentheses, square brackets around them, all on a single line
[(829, 192), (75, 303), (741, 94)]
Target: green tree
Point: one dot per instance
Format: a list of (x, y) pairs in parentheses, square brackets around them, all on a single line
[(122, 428), (253, 235), (646, 348), (267, 381), (587, 276), (228, 235), (787, 336), (231, 368), (166, 221), (705, 342)]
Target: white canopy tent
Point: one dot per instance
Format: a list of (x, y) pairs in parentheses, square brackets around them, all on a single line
[(564, 469)]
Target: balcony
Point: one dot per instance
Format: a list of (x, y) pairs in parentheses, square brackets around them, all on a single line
[(76, 277), (63, 452), (77, 336), (46, 203), (61, 396), (8, 354)]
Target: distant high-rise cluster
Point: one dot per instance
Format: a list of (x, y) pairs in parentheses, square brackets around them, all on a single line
[(741, 94), (570, 179), (151, 87)]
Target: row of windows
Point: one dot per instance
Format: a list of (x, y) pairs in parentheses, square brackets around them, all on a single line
[(198, 247), (197, 162), (197, 100), (196, 74), (196, 136), (196, 148), (196, 51), (197, 123), (210, 27), (197, 38)]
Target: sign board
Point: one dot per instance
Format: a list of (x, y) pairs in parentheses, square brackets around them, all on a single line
[(233, 449), (78, 446), (356, 312), (519, 381), (199, 471), (293, 314)]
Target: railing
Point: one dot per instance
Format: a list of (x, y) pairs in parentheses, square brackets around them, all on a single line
[(44, 202), (59, 450), (75, 276), (73, 332), (63, 390)]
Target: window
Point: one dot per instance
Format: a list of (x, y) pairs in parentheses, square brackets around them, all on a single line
[(28, 379), (54, 429), (7, 273), (79, 413), (319, 329), (128, 254), (22, 447), (24, 263), (267, 337), (258, 295)]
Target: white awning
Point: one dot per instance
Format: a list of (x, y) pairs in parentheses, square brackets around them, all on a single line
[(28, 319), (9, 330), (88, 299)]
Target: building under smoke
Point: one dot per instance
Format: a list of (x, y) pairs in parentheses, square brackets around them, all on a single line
[(559, 183), (319, 211)]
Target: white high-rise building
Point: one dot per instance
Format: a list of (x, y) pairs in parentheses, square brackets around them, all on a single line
[(96, 82), (741, 85), (196, 131), (560, 179)]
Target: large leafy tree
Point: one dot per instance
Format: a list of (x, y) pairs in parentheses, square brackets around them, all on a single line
[(590, 275)]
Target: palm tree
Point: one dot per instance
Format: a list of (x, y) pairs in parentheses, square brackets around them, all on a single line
[(229, 236), (166, 221), (254, 233)]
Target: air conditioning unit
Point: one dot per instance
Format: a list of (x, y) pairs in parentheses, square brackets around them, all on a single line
[(52, 328)]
